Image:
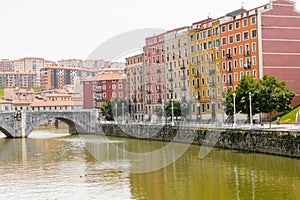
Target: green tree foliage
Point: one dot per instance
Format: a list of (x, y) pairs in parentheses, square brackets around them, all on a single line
[(247, 85), (274, 95), (229, 102), (106, 111), (267, 95), (176, 109), (112, 107)]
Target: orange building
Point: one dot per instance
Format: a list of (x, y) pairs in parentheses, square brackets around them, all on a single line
[(239, 46)]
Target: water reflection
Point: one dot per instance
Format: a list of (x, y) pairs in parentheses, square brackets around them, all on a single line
[(61, 167)]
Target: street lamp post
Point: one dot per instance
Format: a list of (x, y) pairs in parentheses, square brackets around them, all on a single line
[(116, 105), (250, 105), (234, 111), (163, 111), (172, 120), (123, 114)]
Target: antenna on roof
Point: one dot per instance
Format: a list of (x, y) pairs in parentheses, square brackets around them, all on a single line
[(242, 3)]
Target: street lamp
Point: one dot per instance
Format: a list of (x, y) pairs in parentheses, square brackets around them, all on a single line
[(250, 105), (123, 114), (116, 105), (163, 110), (234, 111), (172, 120)]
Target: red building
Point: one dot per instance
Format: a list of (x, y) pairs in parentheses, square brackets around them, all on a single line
[(103, 88)]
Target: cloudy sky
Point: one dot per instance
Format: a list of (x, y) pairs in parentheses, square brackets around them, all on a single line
[(57, 29)]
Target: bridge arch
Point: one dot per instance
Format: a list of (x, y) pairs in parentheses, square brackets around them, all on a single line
[(80, 122)]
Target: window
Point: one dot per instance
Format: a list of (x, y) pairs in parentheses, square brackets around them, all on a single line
[(245, 35), (120, 94), (241, 62), (224, 41), (253, 20), (231, 39), (234, 50), (191, 38), (254, 60), (254, 74), (113, 86), (238, 37), (236, 77), (237, 25), (113, 95), (230, 27), (253, 47), (241, 49), (253, 34), (245, 22), (223, 29), (120, 86), (235, 63)]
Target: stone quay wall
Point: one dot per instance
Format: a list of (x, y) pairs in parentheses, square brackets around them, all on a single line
[(283, 143)]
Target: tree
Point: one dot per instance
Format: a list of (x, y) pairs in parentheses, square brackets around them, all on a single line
[(176, 109), (229, 107), (106, 111), (247, 85), (267, 95), (274, 95)]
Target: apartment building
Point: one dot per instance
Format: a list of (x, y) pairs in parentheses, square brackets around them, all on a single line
[(18, 79), (30, 64), (154, 76), (102, 88), (135, 86)]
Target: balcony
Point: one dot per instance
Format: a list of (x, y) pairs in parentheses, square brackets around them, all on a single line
[(141, 100), (229, 69), (148, 91), (171, 90), (228, 56), (159, 101), (149, 101), (170, 69), (183, 78), (197, 75), (247, 66), (182, 67), (229, 82), (170, 79)]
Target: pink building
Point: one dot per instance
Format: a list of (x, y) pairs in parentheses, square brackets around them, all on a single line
[(280, 44), (154, 76)]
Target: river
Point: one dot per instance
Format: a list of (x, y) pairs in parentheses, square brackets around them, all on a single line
[(55, 165)]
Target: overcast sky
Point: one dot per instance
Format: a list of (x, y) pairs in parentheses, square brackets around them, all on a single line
[(60, 29)]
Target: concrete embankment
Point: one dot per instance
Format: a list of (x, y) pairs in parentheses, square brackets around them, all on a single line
[(284, 143)]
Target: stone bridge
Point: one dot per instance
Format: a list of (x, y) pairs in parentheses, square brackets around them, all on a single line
[(21, 123)]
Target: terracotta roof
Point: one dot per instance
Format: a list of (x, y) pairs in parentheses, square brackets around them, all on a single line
[(2, 101), (107, 77), (41, 103), (12, 73)]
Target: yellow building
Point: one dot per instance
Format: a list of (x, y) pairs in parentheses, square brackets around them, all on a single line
[(205, 63)]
